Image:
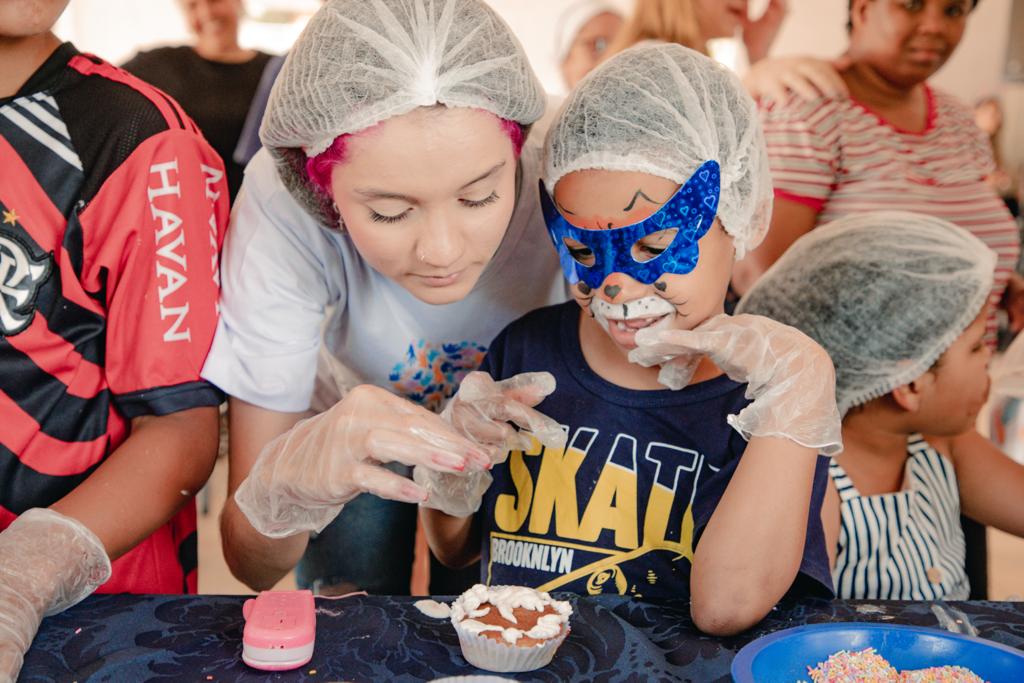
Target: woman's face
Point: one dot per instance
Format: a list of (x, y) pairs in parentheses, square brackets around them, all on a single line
[(213, 18), (907, 41), (427, 196), (589, 46), (719, 18), (600, 200)]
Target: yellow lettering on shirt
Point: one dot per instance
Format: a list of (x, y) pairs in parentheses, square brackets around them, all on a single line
[(510, 510), (612, 506), (556, 493)]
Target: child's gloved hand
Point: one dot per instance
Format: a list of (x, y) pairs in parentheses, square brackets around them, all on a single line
[(302, 478), (48, 562), (481, 411), (789, 376)]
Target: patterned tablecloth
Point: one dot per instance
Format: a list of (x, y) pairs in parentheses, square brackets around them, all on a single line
[(199, 638)]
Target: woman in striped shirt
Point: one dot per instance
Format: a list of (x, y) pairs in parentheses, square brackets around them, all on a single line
[(894, 143), (899, 302)]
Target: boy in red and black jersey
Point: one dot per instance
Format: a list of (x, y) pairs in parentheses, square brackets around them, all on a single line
[(112, 214)]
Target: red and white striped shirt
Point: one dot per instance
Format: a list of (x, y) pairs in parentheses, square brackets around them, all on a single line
[(838, 157)]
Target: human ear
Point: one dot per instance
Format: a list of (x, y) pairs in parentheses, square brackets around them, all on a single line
[(910, 396), (858, 8)]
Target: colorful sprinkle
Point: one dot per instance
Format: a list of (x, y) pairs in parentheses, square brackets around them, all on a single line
[(866, 666), (844, 666)]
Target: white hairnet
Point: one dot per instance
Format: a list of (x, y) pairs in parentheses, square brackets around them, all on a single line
[(885, 293), (360, 62), (664, 109)]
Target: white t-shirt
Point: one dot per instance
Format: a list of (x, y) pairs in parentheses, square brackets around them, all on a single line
[(289, 285)]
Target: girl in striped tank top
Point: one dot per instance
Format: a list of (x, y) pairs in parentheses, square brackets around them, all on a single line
[(899, 302)]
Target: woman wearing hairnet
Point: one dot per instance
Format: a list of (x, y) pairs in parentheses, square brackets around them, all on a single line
[(390, 227), (899, 302)]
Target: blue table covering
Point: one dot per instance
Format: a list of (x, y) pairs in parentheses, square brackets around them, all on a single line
[(613, 638)]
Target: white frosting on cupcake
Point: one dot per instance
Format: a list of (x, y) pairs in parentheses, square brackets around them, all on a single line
[(467, 608)]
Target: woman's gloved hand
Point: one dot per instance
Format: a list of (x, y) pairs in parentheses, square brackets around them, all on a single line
[(481, 411), (301, 479), (48, 562), (789, 377)]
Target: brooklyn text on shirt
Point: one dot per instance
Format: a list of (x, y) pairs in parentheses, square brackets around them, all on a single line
[(539, 527), (165, 194)]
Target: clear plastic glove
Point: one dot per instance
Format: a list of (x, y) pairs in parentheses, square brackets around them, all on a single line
[(48, 562), (773, 78), (303, 478), (789, 377), (481, 411)]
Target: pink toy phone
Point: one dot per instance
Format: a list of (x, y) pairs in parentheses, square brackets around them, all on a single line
[(280, 627)]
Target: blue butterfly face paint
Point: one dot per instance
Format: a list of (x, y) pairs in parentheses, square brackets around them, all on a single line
[(690, 211)]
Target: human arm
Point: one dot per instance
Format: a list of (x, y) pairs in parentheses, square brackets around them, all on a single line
[(299, 481), (830, 522), (991, 483), (791, 220), (256, 560), (455, 541), (753, 545), (48, 562), (747, 559), (759, 34)]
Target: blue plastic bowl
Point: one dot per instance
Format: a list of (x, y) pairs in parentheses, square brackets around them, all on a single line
[(785, 655)]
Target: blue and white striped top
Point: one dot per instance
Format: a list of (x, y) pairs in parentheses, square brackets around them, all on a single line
[(906, 545)]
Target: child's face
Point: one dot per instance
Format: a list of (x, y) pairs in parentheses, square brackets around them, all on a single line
[(960, 383), (600, 200)]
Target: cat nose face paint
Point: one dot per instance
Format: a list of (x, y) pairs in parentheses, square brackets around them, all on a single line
[(690, 212)]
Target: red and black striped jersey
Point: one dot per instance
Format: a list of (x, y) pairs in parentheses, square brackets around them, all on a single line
[(112, 213)]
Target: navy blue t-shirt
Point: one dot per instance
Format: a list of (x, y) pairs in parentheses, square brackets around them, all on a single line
[(622, 508)]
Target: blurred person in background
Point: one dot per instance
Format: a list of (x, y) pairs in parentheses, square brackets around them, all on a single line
[(988, 114), (692, 23), (893, 143), (214, 79), (583, 32)]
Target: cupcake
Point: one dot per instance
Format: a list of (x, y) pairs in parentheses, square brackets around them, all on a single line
[(509, 628)]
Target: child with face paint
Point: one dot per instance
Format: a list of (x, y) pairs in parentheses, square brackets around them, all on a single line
[(655, 178)]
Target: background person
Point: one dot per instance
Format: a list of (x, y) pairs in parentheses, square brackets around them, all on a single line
[(692, 23), (214, 79), (583, 32), (910, 397), (894, 143)]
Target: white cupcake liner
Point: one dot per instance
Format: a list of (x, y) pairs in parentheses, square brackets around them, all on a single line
[(490, 655)]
